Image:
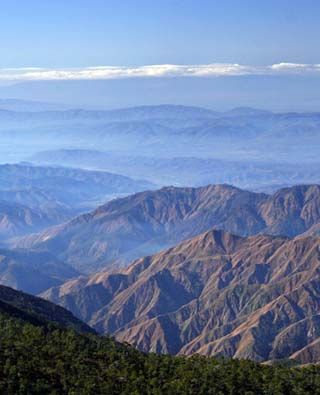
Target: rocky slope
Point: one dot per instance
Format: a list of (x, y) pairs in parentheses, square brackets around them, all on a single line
[(46, 350), (17, 220), (215, 294), (144, 223)]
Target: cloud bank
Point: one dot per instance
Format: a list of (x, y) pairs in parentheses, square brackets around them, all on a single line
[(164, 70)]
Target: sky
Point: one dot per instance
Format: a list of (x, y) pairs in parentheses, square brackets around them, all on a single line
[(45, 40)]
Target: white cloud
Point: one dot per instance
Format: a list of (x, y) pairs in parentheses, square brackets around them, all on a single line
[(164, 70), (295, 67)]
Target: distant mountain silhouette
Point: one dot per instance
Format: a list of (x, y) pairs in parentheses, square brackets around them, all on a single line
[(184, 170), (32, 271)]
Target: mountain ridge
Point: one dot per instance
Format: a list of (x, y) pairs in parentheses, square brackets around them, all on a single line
[(144, 223), (215, 294)]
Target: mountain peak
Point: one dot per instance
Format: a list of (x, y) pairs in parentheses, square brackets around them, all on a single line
[(214, 294)]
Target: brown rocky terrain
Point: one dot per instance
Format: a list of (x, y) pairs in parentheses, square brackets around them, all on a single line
[(254, 297), (17, 219), (144, 223)]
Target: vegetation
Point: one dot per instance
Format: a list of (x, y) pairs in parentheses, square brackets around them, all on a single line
[(37, 358)]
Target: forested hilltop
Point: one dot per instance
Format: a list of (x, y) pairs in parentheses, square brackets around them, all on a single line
[(39, 356)]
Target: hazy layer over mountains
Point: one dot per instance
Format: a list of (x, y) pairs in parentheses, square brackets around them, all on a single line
[(167, 144), (73, 187), (188, 171), (266, 91), (33, 272), (32, 198)]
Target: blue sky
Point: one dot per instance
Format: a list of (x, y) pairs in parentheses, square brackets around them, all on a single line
[(69, 33), (233, 52)]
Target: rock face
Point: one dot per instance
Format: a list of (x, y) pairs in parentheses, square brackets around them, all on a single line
[(252, 297), (292, 211), (128, 228)]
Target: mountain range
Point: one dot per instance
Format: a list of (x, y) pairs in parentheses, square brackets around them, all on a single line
[(141, 224), (186, 171), (237, 275), (216, 294), (176, 229), (166, 131), (34, 197), (67, 185), (45, 350)]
